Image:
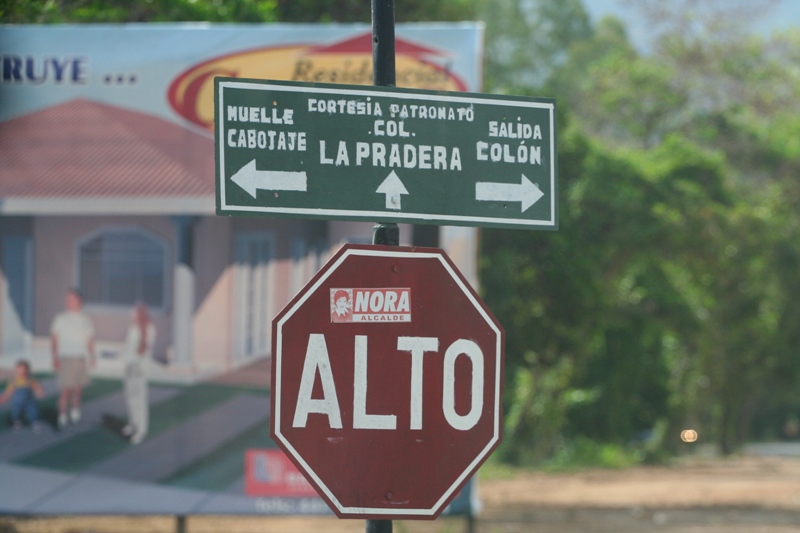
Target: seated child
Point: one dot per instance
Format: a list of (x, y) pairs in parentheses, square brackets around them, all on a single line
[(23, 392)]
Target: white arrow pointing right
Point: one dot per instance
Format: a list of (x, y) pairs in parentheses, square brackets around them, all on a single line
[(526, 192)]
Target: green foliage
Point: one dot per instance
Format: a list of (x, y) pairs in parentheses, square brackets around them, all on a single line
[(527, 41), (615, 93), (112, 11), (582, 452), (361, 10), (587, 309), (666, 298), (494, 468)]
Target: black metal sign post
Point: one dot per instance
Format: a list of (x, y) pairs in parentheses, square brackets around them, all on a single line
[(383, 74)]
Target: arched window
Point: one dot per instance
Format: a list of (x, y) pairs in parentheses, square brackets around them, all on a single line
[(122, 266)]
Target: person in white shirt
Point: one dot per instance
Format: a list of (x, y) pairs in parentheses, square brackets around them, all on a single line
[(138, 351), (72, 349)]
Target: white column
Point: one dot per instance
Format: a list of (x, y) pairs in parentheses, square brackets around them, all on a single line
[(183, 291)]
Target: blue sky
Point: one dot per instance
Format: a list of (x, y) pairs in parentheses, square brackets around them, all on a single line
[(782, 16)]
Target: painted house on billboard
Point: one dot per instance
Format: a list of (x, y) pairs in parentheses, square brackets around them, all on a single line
[(107, 180)]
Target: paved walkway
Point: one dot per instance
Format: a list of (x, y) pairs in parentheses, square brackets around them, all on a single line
[(164, 455), (17, 444), (128, 480)]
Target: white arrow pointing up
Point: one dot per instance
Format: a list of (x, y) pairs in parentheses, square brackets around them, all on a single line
[(250, 179), (526, 192), (392, 187)]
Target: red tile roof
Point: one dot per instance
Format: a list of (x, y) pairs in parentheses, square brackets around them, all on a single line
[(88, 150)]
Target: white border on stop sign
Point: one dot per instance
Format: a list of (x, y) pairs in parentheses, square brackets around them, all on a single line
[(477, 304)]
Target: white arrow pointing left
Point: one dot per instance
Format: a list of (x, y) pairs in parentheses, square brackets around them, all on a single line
[(526, 192), (250, 179)]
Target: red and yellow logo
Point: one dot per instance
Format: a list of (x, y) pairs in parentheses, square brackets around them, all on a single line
[(349, 62), (371, 305)]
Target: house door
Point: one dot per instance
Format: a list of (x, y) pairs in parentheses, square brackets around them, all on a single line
[(17, 295), (253, 288)]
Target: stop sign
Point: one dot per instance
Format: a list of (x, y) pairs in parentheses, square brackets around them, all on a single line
[(387, 382)]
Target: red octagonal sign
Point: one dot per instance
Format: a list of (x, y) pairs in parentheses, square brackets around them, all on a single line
[(387, 382)]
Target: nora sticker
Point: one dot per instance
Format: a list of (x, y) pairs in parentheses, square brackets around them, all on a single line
[(371, 305)]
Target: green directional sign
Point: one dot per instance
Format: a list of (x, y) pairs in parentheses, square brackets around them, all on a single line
[(384, 154)]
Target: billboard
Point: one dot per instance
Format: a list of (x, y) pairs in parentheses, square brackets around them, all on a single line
[(168, 69), (107, 185)]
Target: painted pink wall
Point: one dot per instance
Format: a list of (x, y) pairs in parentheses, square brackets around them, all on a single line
[(56, 241)]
